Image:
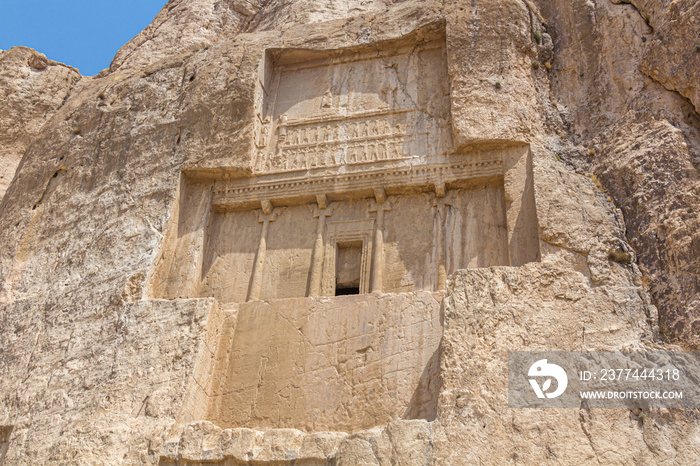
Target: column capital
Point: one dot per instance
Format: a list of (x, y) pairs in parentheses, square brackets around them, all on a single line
[(322, 201), (318, 211), (375, 206), (440, 188), (379, 195), (445, 200), (270, 216)]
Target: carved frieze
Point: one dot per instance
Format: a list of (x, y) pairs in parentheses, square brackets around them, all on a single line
[(242, 193), (354, 107)]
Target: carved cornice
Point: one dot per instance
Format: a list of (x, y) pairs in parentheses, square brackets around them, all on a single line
[(242, 193)]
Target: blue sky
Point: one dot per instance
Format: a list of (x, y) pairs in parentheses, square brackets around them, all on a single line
[(85, 34)]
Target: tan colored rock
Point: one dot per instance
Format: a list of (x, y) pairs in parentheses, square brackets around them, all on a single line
[(659, 182), (613, 65), (343, 364), (169, 274), (38, 62), (672, 55), (493, 311), (5, 433), (32, 89)]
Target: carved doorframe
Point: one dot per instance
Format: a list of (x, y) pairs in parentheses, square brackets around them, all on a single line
[(341, 232)]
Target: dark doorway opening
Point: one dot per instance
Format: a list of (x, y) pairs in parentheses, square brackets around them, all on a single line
[(347, 268), (345, 291)]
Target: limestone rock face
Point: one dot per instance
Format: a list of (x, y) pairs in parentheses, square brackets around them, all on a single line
[(176, 238), (611, 74), (672, 56), (484, 315), (32, 89)]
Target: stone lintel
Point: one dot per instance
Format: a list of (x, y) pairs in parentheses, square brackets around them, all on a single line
[(246, 193)]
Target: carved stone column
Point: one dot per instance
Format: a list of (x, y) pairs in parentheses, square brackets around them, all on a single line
[(321, 211), (379, 206), (265, 216), (441, 205)]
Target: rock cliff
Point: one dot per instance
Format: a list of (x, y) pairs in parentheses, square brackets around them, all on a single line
[(123, 340), (32, 89)]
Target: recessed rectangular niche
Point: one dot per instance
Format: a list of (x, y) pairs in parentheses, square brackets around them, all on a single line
[(354, 106), (277, 236), (348, 266)]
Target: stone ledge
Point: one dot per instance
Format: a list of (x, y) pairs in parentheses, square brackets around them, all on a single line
[(204, 441)]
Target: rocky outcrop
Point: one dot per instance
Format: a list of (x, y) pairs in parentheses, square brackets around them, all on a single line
[(96, 367), (32, 89), (610, 85), (672, 55)]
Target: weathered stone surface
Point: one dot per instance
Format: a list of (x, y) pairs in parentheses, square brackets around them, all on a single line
[(32, 89), (672, 56), (658, 186), (640, 140), (108, 374), (490, 312), (133, 189), (369, 358), (401, 442)]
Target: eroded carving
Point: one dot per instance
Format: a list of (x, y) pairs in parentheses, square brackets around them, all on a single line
[(324, 112)]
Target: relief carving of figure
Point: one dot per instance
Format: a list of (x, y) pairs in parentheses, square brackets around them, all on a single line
[(381, 151), (282, 134), (327, 99), (264, 128), (352, 155), (363, 150), (390, 85), (373, 127), (384, 127)]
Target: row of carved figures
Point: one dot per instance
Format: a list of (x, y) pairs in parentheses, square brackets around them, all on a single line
[(311, 157), (339, 132)]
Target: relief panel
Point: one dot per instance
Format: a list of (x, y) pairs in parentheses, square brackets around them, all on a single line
[(354, 107), (316, 364)]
